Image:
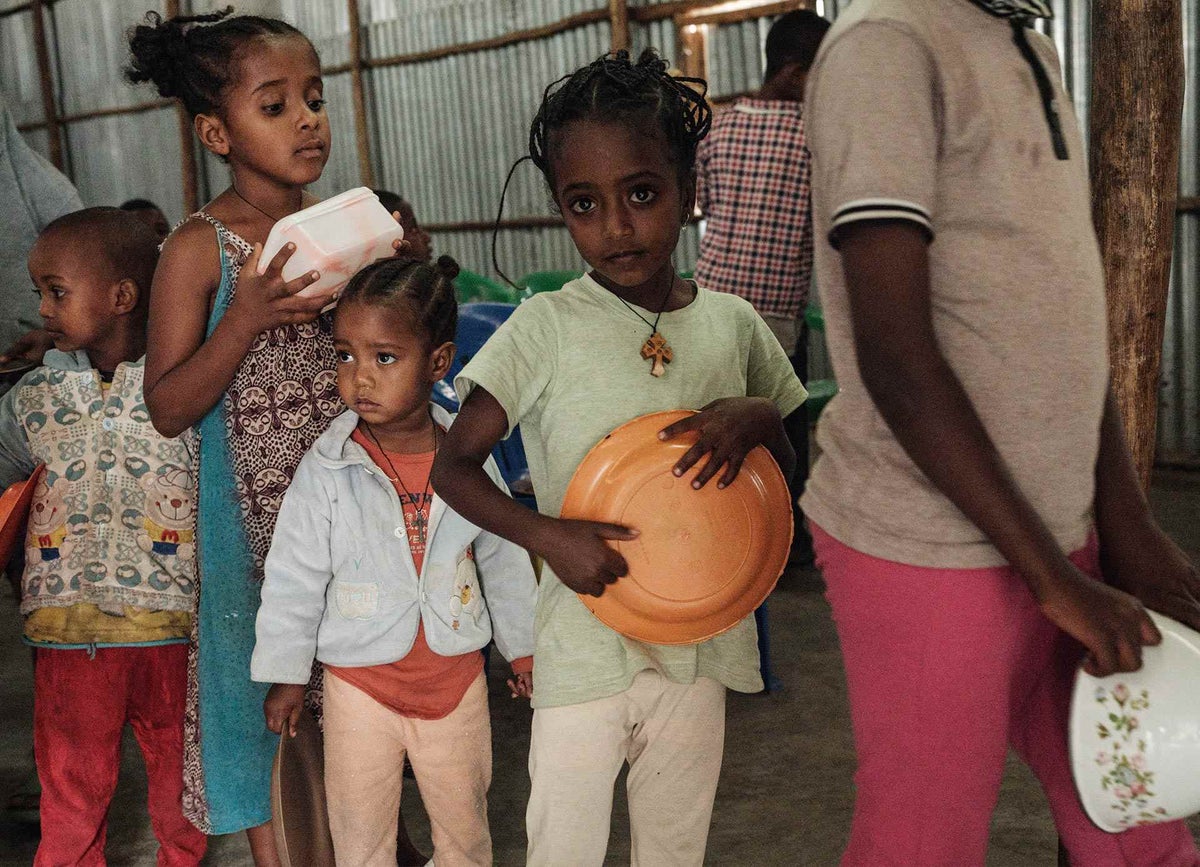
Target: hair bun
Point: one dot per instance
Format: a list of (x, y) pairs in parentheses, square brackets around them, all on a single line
[(447, 267), (651, 62), (160, 54)]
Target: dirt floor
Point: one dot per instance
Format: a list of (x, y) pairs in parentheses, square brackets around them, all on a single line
[(785, 796)]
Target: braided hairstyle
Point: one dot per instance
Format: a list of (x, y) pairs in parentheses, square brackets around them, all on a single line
[(611, 88), (193, 58), (421, 290)]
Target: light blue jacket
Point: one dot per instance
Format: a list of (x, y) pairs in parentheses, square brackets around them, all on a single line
[(341, 584)]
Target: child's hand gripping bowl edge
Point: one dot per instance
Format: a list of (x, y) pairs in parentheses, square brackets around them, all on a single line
[(728, 429), (283, 705)]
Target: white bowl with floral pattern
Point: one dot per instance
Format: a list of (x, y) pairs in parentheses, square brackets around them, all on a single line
[(1135, 737)]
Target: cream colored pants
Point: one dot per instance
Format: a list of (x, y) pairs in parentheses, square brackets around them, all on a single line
[(672, 735), (365, 745)]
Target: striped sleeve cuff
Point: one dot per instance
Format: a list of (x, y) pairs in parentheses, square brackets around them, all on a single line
[(878, 209)]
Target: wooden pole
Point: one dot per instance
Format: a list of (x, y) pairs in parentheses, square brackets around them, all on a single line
[(188, 170), (362, 139), (49, 110), (618, 17), (1136, 117)]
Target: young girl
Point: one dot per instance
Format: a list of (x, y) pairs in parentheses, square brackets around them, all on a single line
[(243, 359), (616, 142), (370, 573)]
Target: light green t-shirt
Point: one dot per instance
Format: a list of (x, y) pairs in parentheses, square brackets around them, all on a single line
[(567, 367)]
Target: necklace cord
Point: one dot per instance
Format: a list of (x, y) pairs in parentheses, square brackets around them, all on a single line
[(420, 508), (661, 307)]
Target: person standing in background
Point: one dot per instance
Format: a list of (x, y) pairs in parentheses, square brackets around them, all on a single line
[(33, 194), (754, 173)]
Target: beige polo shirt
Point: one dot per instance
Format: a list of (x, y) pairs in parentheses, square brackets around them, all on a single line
[(925, 110)]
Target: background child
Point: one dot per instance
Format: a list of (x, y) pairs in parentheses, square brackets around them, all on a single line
[(392, 606), (244, 359), (109, 579), (417, 238), (616, 142), (974, 453), (150, 214)]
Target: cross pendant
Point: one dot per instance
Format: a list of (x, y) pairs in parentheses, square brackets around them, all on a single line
[(420, 523), (657, 348)]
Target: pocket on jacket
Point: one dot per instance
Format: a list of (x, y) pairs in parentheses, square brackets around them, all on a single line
[(356, 600)]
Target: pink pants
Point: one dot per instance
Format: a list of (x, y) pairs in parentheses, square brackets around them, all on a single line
[(946, 668)]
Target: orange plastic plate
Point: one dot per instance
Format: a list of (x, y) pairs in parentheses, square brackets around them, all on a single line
[(14, 512), (704, 559)]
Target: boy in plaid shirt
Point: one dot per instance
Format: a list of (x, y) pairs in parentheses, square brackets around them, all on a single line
[(754, 173)]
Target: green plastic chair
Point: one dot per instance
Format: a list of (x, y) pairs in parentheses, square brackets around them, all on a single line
[(815, 318), (546, 281), (470, 287), (820, 392)]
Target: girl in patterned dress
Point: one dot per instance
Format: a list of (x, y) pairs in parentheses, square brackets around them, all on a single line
[(242, 358)]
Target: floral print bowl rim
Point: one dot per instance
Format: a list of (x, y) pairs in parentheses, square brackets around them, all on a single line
[(1135, 736)]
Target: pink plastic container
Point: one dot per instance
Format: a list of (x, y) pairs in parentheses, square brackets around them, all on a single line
[(336, 237)]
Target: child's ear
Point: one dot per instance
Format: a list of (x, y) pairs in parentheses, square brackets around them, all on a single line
[(440, 360), (126, 297), (211, 132)]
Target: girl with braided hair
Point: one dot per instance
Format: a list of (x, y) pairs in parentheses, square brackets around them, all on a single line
[(245, 360), (373, 576), (616, 143)]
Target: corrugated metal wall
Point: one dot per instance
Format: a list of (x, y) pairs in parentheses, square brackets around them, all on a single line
[(444, 132)]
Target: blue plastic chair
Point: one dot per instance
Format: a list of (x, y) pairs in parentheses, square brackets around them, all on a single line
[(476, 323)]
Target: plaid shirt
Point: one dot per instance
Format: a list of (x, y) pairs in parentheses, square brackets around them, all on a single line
[(755, 189)]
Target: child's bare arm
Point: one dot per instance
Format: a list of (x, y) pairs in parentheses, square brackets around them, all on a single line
[(186, 374), (887, 274), (729, 428), (1136, 555), (575, 550)]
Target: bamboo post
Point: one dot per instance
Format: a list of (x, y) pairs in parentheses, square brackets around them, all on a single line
[(189, 171), (1136, 117), (618, 16), (53, 127), (362, 140)]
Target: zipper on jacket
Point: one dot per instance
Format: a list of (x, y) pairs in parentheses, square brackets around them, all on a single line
[(1045, 89)]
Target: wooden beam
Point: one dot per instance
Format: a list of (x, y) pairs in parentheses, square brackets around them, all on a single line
[(150, 105), (1135, 122), (581, 19), (365, 173), (1188, 204), (49, 110), (618, 17), (714, 14), (189, 172), (544, 222)]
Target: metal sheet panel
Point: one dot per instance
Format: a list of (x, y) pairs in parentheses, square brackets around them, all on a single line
[(125, 157), (18, 68)]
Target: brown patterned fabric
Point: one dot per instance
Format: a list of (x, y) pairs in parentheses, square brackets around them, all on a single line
[(282, 398)]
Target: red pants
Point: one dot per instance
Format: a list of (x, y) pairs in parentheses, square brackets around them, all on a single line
[(81, 705), (946, 669)]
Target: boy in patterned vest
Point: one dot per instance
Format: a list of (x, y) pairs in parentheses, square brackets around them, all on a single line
[(107, 605)]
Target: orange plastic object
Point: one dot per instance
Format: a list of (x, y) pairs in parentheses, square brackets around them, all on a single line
[(14, 512), (704, 559)]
